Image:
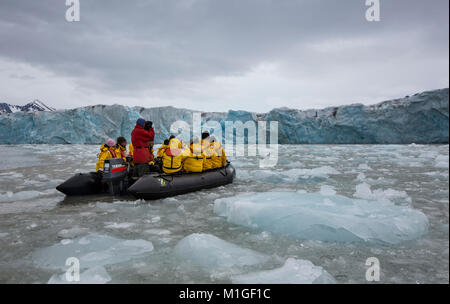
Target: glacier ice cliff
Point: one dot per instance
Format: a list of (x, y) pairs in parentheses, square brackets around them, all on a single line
[(421, 118)]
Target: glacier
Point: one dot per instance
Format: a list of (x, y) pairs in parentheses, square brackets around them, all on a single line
[(421, 118), (324, 216)]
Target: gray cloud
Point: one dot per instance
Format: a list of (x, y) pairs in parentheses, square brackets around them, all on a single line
[(207, 54)]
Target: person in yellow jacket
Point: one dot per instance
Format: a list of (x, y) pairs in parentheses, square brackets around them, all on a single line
[(218, 158), (121, 148), (193, 157), (164, 146), (107, 151), (130, 150), (206, 151), (172, 159)]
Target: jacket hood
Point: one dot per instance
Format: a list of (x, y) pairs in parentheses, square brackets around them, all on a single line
[(140, 122), (104, 148)]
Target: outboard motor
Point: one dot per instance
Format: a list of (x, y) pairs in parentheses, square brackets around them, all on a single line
[(115, 174)]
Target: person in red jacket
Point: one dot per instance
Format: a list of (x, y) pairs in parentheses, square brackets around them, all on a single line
[(142, 139)]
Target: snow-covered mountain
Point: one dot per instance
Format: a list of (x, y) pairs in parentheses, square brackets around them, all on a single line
[(35, 106), (421, 118)]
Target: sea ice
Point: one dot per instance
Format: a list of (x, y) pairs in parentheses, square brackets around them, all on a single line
[(95, 275), (214, 254), (19, 196), (119, 225), (441, 161), (72, 232), (286, 176), (363, 191), (92, 250), (315, 216), (292, 272)]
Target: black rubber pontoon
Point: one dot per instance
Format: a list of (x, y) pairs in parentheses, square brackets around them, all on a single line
[(81, 184), (156, 185), (115, 181)]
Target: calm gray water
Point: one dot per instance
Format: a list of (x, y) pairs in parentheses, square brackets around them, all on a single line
[(36, 220)]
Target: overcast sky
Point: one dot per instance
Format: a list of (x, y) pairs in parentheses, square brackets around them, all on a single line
[(218, 55)]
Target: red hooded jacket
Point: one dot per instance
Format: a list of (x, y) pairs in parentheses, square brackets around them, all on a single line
[(141, 139)]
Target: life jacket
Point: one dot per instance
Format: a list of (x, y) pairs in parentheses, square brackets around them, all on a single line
[(121, 152), (106, 152), (206, 150), (218, 157), (172, 158), (193, 161), (130, 150), (161, 149)]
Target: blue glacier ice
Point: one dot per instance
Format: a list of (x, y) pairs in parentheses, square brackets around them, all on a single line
[(421, 118), (324, 216)]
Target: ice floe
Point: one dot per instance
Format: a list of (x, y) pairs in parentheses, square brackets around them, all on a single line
[(214, 254), (92, 250), (314, 216), (292, 272), (94, 275)]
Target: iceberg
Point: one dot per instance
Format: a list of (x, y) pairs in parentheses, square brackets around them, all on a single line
[(422, 119), (214, 254), (292, 272), (324, 216), (91, 250)]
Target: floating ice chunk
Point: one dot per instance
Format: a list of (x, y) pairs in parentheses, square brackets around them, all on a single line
[(323, 171), (441, 161), (155, 219), (72, 232), (286, 176), (214, 254), (361, 176), (364, 167), (314, 216), (119, 225), (66, 241), (327, 190), (19, 196), (363, 191), (95, 275), (158, 231), (92, 250), (292, 272)]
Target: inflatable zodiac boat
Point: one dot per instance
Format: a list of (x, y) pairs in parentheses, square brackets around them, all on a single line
[(116, 180)]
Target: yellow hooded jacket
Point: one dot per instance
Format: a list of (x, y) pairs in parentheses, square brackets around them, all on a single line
[(218, 158), (121, 152), (106, 152), (160, 152), (194, 158), (207, 152), (172, 158)]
